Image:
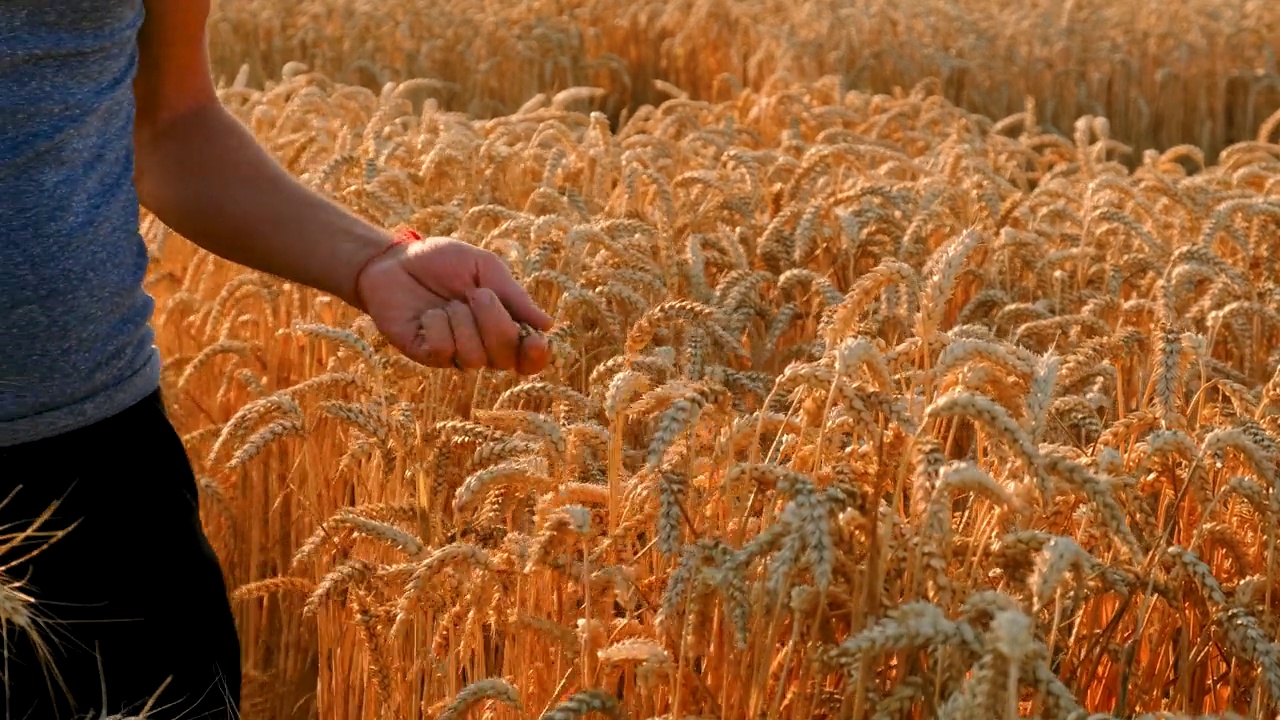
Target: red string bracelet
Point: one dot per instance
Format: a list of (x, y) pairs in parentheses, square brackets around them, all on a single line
[(403, 236)]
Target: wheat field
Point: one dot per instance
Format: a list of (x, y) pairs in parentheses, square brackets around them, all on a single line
[(911, 360)]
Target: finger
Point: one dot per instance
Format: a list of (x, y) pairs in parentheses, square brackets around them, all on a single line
[(437, 339), (470, 352), (492, 273), (500, 335), (535, 353)]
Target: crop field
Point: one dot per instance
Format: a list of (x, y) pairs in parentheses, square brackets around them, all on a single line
[(912, 359)]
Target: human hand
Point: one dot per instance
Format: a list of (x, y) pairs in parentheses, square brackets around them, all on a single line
[(445, 303)]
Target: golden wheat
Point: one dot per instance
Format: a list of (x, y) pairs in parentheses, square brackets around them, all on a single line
[(861, 405)]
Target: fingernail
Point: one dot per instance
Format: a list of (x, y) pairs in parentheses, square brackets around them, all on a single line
[(534, 355), (479, 296), (536, 343)]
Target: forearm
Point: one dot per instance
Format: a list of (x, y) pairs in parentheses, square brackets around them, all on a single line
[(205, 176)]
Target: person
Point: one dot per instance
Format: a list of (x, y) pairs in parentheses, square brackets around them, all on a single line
[(106, 106)]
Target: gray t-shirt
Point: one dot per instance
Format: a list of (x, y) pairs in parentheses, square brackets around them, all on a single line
[(75, 342)]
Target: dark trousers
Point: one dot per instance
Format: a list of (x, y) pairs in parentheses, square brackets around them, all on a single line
[(132, 596)]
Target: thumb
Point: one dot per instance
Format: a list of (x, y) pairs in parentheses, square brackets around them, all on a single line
[(493, 274)]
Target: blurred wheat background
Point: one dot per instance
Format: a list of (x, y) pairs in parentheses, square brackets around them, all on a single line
[(912, 360), (1202, 72)]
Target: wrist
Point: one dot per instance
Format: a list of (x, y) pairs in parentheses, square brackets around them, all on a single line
[(374, 253)]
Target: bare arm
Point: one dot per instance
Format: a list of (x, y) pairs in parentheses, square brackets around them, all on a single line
[(203, 174), (441, 301)]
